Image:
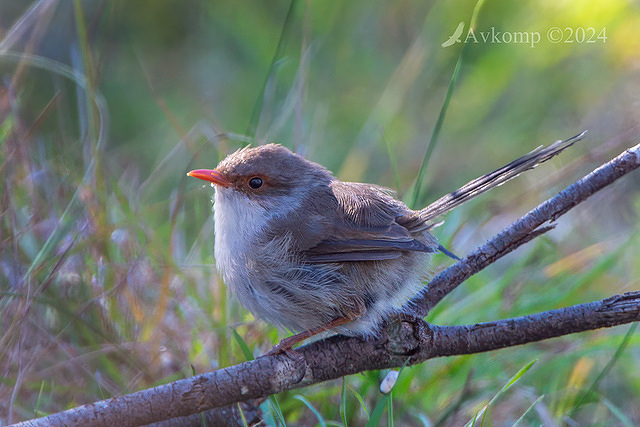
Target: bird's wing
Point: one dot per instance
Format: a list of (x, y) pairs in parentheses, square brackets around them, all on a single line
[(365, 227)]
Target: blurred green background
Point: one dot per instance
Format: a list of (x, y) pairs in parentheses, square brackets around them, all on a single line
[(107, 281)]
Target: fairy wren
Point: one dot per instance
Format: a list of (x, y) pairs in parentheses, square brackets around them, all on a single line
[(308, 252)]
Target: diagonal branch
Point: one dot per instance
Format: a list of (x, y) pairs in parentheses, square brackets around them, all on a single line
[(338, 356), (411, 338), (526, 228)]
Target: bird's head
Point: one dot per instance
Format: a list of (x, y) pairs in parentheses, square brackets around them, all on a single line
[(269, 176)]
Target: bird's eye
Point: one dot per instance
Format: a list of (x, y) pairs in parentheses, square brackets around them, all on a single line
[(255, 183)]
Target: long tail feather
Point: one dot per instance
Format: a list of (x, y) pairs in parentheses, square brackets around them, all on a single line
[(495, 178)]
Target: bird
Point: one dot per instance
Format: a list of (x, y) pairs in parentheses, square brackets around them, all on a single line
[(309, 253)]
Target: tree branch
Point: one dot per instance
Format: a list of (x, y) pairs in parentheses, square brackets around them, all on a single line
[(411, 338), (526, 228), (337, 356)]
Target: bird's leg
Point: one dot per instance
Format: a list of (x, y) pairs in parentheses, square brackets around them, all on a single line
[(286, 344)]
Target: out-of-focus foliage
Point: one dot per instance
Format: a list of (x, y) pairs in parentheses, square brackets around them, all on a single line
[(107, 281)]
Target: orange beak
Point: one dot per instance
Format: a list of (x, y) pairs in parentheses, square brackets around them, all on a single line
[(211, 175)]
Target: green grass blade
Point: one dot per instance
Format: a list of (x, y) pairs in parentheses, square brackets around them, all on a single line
[(311, 408), (376, 415), (516, 377), (361, 400), (62, 229), (383, 403), (343, 402), (243, 345), (390, 409), (605, 370), (35, 411), (618, 413), (63, 70), (273, 401), (63, 225), (276, 411), (482, 412), (443, 112), (244, 419), (529, 409), (257, 108)]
